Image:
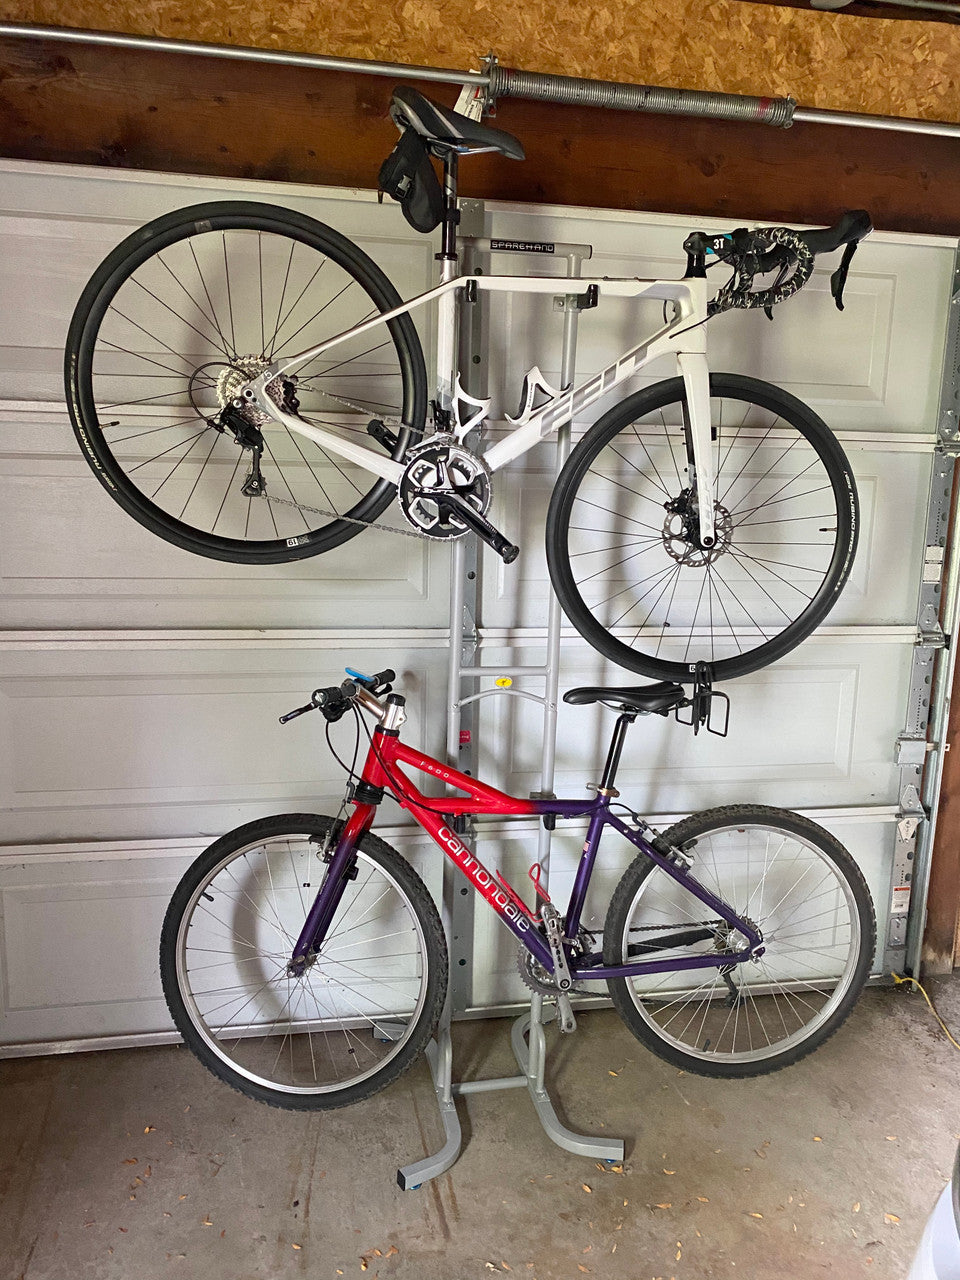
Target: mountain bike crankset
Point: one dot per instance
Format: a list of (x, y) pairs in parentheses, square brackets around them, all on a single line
[(445, 491)]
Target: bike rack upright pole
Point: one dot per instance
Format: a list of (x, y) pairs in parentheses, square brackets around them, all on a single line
[(527, 1036)]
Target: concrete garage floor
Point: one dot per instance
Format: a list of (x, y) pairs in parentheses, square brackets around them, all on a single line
[(137, 1164)]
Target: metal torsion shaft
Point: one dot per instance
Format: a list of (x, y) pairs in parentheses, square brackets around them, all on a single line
[(540, 86)]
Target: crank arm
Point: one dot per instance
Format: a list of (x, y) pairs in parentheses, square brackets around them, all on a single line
[(451, 504), (565, 1015)]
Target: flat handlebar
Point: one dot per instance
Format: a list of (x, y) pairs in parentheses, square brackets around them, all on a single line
[(334, 700)]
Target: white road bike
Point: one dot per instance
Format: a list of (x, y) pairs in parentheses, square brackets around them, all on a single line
[(707, 519)]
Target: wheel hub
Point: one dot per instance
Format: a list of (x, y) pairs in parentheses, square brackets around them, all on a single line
[(235, 376), (681, 532), (442, 466)]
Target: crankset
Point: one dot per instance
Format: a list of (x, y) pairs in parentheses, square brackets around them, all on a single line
[(445, 491)]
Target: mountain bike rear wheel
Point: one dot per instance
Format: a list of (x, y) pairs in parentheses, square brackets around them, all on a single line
[(183, 313), (790, 878), (361, 1012), (622, 532)]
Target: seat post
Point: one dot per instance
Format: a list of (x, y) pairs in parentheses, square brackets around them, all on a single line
[(624, 720), (451, 214)]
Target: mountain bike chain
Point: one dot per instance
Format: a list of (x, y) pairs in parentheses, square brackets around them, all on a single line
[(537, 978)]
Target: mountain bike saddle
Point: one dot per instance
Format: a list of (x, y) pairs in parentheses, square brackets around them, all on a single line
[(660, 697), (445, 128)]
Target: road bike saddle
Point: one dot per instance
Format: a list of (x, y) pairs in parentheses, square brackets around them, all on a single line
[(445, 128), (661, 697)]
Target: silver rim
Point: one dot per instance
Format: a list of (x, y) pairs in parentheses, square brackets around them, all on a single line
[(353, 1010), (811, 926)]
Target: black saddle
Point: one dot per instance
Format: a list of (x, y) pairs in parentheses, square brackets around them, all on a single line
[(445, 128), (661, 697)]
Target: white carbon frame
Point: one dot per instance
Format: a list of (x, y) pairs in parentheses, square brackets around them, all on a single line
[(684, 337)]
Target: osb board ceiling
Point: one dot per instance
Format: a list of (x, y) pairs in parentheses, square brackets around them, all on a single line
[(830, 60)]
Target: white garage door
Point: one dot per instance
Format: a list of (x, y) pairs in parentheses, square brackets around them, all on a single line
[(140, 686)]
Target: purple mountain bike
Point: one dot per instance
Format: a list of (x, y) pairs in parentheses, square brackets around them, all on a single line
[(305, 964)]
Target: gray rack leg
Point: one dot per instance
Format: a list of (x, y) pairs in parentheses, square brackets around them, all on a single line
[(440, 1057), (531, 1058)]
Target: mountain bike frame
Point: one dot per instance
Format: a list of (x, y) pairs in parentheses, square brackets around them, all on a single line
[(683, 337), (383, 770)]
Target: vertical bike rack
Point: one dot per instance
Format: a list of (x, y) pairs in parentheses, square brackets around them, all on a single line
[(527, 1036)]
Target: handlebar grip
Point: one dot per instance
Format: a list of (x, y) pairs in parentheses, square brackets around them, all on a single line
[(385, 677), (850, 228)]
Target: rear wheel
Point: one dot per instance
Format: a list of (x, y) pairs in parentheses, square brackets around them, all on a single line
[(793, 880), (174, 322), (361, 1012), (623, 532)]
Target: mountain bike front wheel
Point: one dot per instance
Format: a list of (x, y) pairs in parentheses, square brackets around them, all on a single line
[(361, 1012), (623, 543), (178, 318), (792, 880)]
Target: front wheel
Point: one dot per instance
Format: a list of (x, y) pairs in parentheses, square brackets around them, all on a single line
[(793, 880), (623, 543), (361, 1012)]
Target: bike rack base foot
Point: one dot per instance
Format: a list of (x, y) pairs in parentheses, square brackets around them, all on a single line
[(412, 1176), (530, 1058)]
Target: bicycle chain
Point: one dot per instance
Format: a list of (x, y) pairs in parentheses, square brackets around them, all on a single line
[(366, 524)]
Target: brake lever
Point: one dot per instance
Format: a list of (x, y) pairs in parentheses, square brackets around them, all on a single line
[(300, 711)]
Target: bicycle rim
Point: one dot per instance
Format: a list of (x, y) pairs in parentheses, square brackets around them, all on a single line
[(622, 532), (339, 1029), (184, 312)]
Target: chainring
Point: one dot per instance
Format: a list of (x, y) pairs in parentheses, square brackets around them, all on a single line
[(436, 466), (533, 973)]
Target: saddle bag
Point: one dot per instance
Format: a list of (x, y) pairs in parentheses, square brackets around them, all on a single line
[(408, 177)]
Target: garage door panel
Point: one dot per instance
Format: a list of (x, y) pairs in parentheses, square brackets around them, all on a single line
[(868, 367), (103, 904), (173, 740), (819, 728), (70, 556)]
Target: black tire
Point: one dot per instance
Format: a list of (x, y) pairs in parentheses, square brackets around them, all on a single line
[(324, 1034), (784, 1008), (165, 332), (627, 570)]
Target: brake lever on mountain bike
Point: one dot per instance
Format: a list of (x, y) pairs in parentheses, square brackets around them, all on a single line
[(332, 701)]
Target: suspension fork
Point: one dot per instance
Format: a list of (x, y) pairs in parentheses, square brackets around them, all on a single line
[(341, 869)]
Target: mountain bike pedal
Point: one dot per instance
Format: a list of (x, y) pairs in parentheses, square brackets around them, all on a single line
[(452, 504)]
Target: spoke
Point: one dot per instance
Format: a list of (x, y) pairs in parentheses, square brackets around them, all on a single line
[(226, 494), (203, 465), (174, 312), (226, 271), (213, 309)]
